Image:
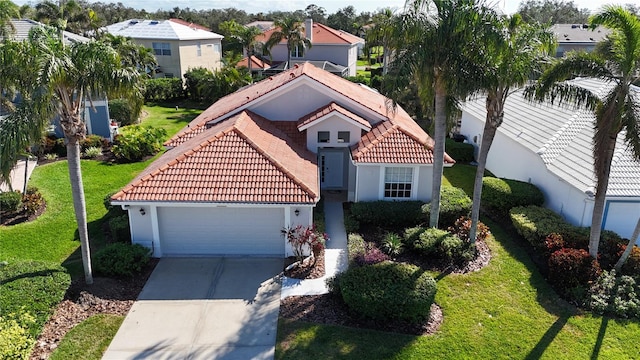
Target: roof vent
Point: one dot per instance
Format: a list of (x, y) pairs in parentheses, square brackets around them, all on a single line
[(585, 26), (133, 22), (574, 26), (153, 22)]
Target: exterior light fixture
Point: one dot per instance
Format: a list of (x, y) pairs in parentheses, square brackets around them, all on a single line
[(297, 212), (142, 212)]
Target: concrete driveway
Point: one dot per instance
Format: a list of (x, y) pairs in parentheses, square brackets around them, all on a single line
[(203, 308)]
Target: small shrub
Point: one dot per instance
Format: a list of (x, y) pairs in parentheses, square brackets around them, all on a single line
[(571, 271), (51, 156), (632, 265), (534, 223), (32, 200), (429, 241), (610, 249), (92, 152), (616, 295), (10, 201), (455, 251), (163, 89), (454, 203), (501, 195), (121, 260), (392, 244), (388, 291), (553, 243), (460, 152), (462, 227), (355, 246), (412, 235), (303, 239), (333, 284), (93, 141), (388, 214), (372, 255), (358, 79), (135, 142), (120, 231), (123, 112), (195, 80), (351, 225), (15, 340), (60, 147)]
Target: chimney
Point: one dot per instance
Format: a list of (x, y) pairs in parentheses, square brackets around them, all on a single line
[(308, 28)]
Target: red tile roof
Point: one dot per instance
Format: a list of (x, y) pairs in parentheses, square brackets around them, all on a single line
[(243, 159), (256, 63), (189, 24), (322, 35), (326, 110)]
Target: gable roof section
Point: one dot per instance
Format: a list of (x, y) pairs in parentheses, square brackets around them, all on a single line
[(256, 63), (160, 30), (321, 114), (189, 24), (579, 34), (562, 136), (322, 35), (244, 159), (23, 26)]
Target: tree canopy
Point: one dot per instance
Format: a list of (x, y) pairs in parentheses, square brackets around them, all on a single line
[(552, 12)]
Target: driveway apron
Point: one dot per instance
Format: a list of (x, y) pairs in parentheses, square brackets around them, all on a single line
[(203, 308)]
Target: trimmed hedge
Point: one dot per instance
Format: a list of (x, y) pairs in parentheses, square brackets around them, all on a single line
[(120, 231), (163, 89), (355, 246), (534, 223), (10, 201), (460, 152), (121, 111), (571, 271), (454, 204), (121, 260), (443, 245), (388, 291), (429, 241), (388, 214), (501, 195), (135, 142)]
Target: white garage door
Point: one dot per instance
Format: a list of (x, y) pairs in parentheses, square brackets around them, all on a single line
[(221, 231)]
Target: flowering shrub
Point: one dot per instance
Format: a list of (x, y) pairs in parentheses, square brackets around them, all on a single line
[(303, 238), (371, 256), (461, 229)]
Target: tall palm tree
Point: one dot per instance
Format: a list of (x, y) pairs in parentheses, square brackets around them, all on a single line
[(64, 15), (67, 76), (381, 32), (515, 51), (436, 46), (617, 62), (246, 37), (8, 11), (291, 30)]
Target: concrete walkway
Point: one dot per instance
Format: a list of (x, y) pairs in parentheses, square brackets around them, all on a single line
[(17, 175), (203, 308), (335, 254)]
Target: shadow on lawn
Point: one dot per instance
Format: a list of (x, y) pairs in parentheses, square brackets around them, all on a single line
[(73, 263)]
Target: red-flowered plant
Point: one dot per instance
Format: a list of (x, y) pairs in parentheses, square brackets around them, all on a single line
[(302, 238)]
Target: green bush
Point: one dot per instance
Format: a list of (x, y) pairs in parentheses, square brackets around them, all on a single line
[(121, 260), (632, 265), (388, 291), (163, 89), (429, 241), (571, 271), (123, 112), (500, 195), (388, 214), (455, 251), (92, 152), (195, 80), (10, 201), (351, 224), (60, 147), (37, 286), (615, 295), (412, 235), (359, 79), (454, 204), (355, 246), (534, 223), (119, 227), (392, 244), (135, 142), (460, 152), (15, 340), (32, 200), (93, 141)]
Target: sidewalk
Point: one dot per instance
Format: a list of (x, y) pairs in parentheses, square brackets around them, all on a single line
[(335, 255), (17, 175)]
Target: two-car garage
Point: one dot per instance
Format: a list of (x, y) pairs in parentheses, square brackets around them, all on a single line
[(188, 231)]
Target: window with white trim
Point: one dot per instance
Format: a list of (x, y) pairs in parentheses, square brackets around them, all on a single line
[(344, 136), (161, 48), (398, 182), (324, 136), (297, 52)]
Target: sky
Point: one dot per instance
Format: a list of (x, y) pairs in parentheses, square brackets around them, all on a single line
[(256, 6)]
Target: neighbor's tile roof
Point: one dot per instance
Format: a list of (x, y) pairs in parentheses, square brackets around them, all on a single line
[(160, 30), (366, 97), (579, 33), (562, 136), (256, 63), (243, 159), (23, 26), (189, 24), (322, 35), (326, 110)]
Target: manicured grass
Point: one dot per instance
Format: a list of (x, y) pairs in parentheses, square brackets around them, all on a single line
[(505, 311), (167, 117), (89, 339)]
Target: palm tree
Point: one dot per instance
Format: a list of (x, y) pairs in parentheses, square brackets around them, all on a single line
[(291, 30), (617, 62), (627, 251), (435, 44), (67, 77), (66, 15), (246, 37), (515, 51), (381, 32), (8, 11)]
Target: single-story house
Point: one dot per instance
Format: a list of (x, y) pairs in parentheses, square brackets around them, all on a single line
[(257, 161), (551, 146), (577, 37)]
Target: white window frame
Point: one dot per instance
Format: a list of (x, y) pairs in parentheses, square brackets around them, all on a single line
[(161, 48), (298, 52), (413, 192), (342, 139), (328, 133)]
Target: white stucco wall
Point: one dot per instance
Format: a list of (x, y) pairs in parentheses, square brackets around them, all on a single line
[(141, 226), (621, 215), (299, 101), (333, 125), (370, 182)]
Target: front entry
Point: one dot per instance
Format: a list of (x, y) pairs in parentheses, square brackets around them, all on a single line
[(331, 169)]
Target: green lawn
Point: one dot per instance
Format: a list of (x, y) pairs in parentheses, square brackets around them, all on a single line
[(167, 117), (505, 311), (89, 339)]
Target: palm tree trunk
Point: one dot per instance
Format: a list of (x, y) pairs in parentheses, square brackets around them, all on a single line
[(601, 194), (438, 149), (627, 251), (495, 115), (79, 205)]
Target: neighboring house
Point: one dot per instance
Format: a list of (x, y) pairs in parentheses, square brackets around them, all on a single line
[(177, 44), (96, 116), (552, 147), (257, 160), (577, 37), (262, 25), (334, 46)]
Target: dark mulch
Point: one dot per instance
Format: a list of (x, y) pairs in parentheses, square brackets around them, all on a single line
[(104, 296), (18, 217), (306, 270), (330, 309)]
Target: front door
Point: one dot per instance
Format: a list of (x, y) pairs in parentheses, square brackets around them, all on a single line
[(332, 169)]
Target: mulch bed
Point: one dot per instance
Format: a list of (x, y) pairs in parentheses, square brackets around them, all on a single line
[(18, 217), (104, 296), (306, 270)]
